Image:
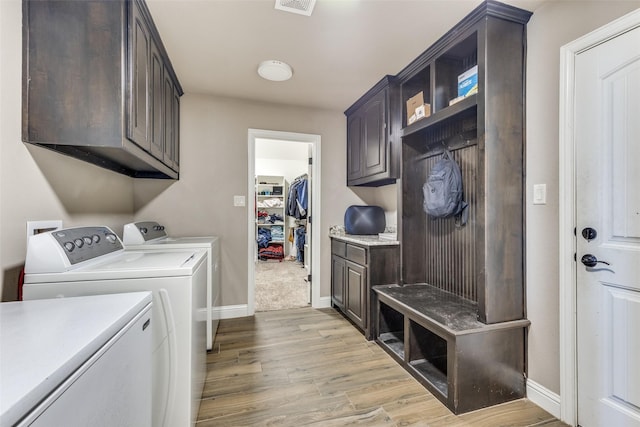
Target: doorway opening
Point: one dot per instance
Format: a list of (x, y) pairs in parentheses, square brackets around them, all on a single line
[(284, 190)]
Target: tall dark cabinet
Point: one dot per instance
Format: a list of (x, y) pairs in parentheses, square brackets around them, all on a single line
[(98, 85), (456, 319)]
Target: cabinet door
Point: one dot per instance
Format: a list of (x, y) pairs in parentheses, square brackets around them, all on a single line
[(338, 266), (156, 115), (354, 147), (175, 140), (355, 284), (168, 154), (140, 51), (374, 141), (171, 122), (367, 142)]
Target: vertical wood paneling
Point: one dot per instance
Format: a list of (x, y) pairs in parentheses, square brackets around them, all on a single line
[(451, 251)]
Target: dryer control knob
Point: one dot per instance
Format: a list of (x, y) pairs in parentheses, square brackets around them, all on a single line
[(143, 230), (79, 242), (111, 238), (69, 246)]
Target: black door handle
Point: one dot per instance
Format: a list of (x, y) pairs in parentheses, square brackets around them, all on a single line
[(591, 261)]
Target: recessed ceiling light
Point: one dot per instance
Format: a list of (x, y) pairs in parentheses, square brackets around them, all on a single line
[(301, 7), (275, 70)]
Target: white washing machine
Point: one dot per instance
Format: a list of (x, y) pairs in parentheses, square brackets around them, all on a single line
[(76, 362), (149, 235), (92, 261)]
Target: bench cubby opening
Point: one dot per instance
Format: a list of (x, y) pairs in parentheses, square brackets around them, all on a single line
[(428, 356)]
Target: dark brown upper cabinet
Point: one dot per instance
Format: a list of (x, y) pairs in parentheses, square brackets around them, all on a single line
[(98, 85), (371, 137)]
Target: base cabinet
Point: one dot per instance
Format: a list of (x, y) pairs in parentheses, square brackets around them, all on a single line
[(355, 268)]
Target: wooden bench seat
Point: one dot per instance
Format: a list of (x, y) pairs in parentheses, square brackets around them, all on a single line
[(437, 337)]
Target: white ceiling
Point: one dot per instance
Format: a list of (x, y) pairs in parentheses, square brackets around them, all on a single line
[(337, 53)]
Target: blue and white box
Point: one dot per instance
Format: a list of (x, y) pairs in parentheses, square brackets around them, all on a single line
[(468, 82)]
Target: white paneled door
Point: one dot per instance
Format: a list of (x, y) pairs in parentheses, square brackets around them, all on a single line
[(607, 131)]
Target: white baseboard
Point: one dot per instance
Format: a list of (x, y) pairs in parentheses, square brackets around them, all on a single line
[(230, 311), (322, 302), (544, 398), (242, 310)]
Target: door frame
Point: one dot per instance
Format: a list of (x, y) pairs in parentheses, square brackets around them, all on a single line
[(567, 211), (315, 141)]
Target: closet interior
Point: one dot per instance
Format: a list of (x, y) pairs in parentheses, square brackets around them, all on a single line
[(282, 194)]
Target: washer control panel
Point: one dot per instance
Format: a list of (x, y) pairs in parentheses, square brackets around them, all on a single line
[(137, 233), (66, 249), (84, 243)]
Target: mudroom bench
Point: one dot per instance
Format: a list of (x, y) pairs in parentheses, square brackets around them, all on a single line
[(436, 336)]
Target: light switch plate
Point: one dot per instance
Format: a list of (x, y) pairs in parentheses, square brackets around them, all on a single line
[(239, 201), (540, 194)]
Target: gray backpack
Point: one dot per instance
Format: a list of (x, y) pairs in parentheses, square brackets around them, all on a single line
[(443, 191)]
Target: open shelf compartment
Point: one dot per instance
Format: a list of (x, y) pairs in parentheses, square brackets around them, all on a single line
[(428, 356), (450, 65), (391, 329), (420, 82)]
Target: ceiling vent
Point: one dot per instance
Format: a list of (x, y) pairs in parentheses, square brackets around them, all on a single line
[(301, 7)]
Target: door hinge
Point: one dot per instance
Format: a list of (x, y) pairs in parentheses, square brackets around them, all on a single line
[(575, 257), (310, 160)]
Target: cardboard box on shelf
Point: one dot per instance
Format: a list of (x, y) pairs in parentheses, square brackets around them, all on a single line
[(468, 82), (417, 109)]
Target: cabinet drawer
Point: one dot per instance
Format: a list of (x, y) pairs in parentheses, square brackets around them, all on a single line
[(338, 248), (357, 254)]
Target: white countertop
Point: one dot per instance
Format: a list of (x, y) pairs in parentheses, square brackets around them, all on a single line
[(43, 341), (364, 239)]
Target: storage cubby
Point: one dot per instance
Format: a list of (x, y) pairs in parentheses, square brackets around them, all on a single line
[(452, 63), (391, 330), (428, 356), (420, 82)]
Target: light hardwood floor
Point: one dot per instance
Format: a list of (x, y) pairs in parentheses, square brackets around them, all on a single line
[(307, 367)]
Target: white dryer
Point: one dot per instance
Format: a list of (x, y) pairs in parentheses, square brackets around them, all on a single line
[(149, 235), (92, 261)]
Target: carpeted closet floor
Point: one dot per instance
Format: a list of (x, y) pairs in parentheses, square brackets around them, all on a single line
[(281, 285)]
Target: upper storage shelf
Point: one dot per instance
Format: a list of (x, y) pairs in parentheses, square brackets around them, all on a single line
[(452, 74)]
